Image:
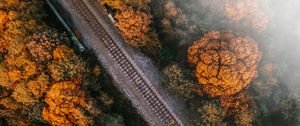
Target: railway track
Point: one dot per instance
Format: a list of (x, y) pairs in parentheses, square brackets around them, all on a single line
[(141, 86)]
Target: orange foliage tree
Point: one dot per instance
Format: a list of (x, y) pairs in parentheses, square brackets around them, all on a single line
[(133, 26), (133, 20), (123, 4), (225, 63)]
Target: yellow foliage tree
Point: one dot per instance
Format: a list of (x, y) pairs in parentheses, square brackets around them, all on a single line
[(67, 105), (23, 95), (20, 67), (208, 114), (40, 85), (66, 64)]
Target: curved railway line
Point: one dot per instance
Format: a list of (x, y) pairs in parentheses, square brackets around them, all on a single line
[(137, 81)]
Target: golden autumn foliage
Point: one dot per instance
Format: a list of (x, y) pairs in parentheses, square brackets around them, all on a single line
[(225, 63), (20, 67), (68, 105), (244, 118), (66, 64), (40, 85), (176, 81), (23, 95), (16, 19), (10, 104), (209, 114), (16, 69), (115, 4)]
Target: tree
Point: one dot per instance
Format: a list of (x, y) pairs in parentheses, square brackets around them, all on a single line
[(40, 85), (23, 95), (42, 44), (133, 26), (209, 114), (237, 103), (123, 4), (20, 67), (175, 81), (69, 105), (244, 118), (225, 63), (66, 64), (133, 21)]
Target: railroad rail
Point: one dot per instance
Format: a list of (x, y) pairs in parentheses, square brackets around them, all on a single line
[(149, 94)]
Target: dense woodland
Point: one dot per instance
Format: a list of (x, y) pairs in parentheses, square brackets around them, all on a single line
[(45, 80), (223, 58), (232, 62)]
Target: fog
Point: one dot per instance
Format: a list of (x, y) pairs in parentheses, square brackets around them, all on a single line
[(279, 38)]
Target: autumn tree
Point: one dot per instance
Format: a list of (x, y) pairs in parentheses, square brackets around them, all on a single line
[(39, 85), (225, 63), (176, 81), (42, 44), (133, 21), (245, 118), (68, 105), (123, 4), (210, 114), (133, 26), (17, 21), (66, 64), (237, 103)]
